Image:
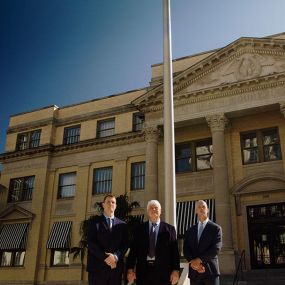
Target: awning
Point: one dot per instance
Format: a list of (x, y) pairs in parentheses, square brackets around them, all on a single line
[(60, 235), (139, 218), (13, 236), (186, 217)]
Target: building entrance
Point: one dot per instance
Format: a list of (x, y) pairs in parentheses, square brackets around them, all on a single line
[(266, 227)]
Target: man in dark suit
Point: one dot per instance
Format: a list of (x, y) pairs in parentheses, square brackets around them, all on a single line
[(154, 258), (107, 240), (201, 247)]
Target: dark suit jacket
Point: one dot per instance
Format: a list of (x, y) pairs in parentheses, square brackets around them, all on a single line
[(207, 249), (166, 251), (100, 240)]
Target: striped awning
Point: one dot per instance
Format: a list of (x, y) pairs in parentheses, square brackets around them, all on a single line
[(60, 235), (13, 236), (186, 217)]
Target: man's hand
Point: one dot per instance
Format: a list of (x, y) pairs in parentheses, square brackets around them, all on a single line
[(196, 264), (174, 277), (111, 260), (131, 275)]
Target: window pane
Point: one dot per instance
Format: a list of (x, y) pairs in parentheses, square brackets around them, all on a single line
[(138, 120), (102, 180), (204, 162), (71, 135), (6, 259), (249, 140), (183, 158), (22, 141), (35, 139), (250, 155), (106, 128), (270, 137), (67, 183), (28, 188), (60, 257), (204, 149), (137, 175), (272, 152), (19, 258)]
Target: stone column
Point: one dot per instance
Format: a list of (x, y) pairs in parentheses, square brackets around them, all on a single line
[(217, 123), (151, 172), (282, 133)]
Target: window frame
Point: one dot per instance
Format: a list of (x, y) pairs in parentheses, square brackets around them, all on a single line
[(61, 250), (192, 146), (95, 183), (260, 146), (71, 139), (61, 187), (29, 144), (13, 258), (21, 191), (99, 130), (137, 126), (139, 177)]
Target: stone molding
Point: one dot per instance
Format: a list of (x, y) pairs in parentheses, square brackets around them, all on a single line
[(235, 51), (48, 150), (217, 122), (151, 134), (282, 108)]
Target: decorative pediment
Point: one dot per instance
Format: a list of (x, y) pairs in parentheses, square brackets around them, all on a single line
[(243, 62), (16, 213)]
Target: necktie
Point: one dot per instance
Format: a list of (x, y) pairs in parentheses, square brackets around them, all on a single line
[(110, 223), (200, 230), (151, 252)]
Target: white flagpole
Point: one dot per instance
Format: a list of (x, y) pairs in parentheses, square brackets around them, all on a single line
[(169, 159)]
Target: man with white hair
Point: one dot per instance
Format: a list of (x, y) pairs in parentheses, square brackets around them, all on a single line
[(202, 245), (154, 258)]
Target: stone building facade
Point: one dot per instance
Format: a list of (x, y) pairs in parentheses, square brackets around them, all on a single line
[(229, 150)]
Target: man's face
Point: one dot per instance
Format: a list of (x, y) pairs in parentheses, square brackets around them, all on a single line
[(109, 206), (153, 212), (202, 211)]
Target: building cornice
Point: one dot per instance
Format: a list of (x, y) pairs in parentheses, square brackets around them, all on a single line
[(51, 150), (275, 47), (227, 90)]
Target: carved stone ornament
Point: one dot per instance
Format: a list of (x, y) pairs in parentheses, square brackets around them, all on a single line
[(282, 108), (151, 134), (217, 122)]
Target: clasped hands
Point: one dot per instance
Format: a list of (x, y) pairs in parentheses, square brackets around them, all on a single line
[(111, 260), (196, 264)]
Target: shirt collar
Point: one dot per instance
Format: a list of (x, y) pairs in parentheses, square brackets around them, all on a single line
[(157, 223), (106, 217), (205, 222)]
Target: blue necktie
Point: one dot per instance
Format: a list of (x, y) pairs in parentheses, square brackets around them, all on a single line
[(151, 251), (200, 230)]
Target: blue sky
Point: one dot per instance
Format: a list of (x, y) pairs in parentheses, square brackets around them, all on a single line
[(61, 52)]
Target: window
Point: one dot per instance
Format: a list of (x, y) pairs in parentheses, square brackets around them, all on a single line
[(260, 146), (59, 243), (138, 119), (66, 185), (71, 135), (137, 175), (194, 156), (102, 180), (21, 189), (105, 128), (12, 258), (60, 257), (28, 140)]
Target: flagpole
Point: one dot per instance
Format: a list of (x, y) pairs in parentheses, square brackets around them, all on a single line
[(169, 159)]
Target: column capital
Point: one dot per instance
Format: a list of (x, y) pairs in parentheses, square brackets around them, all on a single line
[(282, 107), (151, 133), (217, 122)]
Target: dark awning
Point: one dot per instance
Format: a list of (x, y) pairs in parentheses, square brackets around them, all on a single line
[(60, 235), (186, 217), (13, 236)]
